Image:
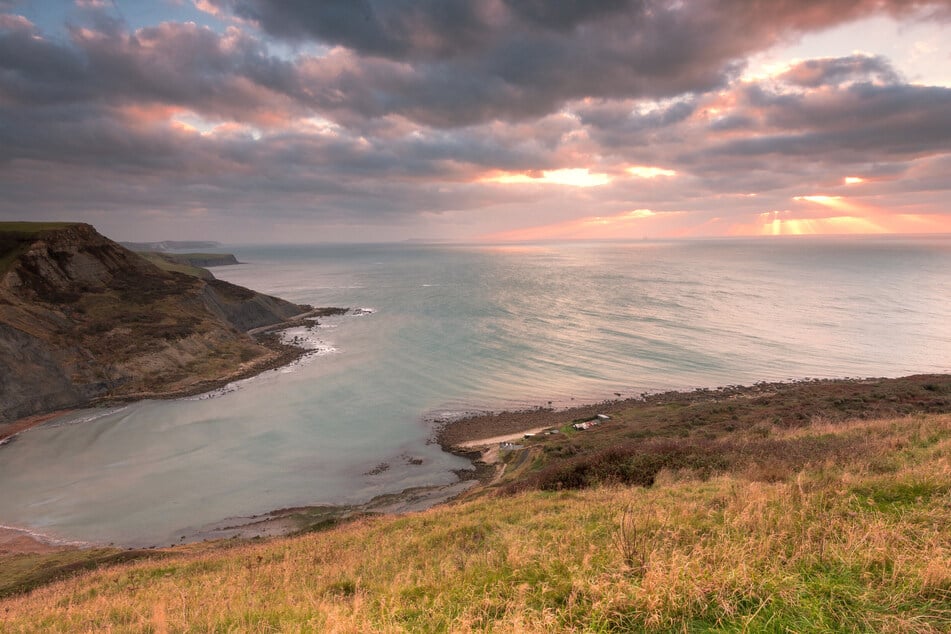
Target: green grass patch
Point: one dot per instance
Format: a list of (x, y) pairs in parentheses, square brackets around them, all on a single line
[(23, 572), (32, 228), (890, 496), (167, 263)]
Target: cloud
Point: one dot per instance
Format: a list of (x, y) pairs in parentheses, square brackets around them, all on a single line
[(226, 76), (462, 62), (850, 124), (836, 71), (475, 113)]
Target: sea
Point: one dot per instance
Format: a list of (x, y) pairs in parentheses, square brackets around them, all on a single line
[(439, 330)]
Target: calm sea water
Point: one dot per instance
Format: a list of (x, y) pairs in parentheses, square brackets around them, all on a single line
[(455, 328)]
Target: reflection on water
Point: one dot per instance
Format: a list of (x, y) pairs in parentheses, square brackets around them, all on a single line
[(461, 327)]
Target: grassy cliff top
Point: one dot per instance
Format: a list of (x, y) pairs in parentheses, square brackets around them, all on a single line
[(25, 228), (15, 238)]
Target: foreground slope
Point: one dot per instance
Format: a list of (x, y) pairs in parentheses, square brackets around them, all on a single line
[(81, 317), (854, 538)]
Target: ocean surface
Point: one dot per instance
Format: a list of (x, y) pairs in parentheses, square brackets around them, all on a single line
[(448, 329)]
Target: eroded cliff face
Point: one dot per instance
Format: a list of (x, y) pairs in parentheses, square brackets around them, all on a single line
[(82, 317)]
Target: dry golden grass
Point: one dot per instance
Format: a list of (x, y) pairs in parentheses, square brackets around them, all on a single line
[(855, 547)]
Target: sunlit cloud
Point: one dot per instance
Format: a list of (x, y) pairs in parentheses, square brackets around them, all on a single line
[(615, 220), (574, 177), (192, 122), (761, 69), (635, 223), (837, 202), (646, 171), (853, 180)]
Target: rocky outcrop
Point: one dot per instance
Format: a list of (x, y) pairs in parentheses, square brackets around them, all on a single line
[(245, 309), (32, 377), (81, 317)]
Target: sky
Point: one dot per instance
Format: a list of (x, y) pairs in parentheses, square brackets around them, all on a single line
[(498, 120)]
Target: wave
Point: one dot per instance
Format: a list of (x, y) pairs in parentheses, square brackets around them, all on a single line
[(43, 538), (87, 416), (301, 337)]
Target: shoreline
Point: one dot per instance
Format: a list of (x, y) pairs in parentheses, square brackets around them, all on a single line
[(281, 354), (474, 437), (480, 428), (477, 436)]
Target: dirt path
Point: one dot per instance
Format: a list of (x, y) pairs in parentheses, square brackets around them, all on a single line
[(494, 440)]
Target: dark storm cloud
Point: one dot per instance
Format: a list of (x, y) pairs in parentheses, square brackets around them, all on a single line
[(460, 62), (444, 63), (399, 29), (228, 76), (428, 29), (834, 71), (618, 123), (889, 121)]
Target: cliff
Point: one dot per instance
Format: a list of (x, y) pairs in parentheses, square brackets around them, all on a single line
[(81, 317), (190, 263)]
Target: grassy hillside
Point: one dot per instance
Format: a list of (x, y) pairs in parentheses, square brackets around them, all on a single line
[(850, 534), (168, 263)]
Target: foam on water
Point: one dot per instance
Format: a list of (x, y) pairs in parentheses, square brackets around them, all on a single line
[(82, 416), (43, 538)]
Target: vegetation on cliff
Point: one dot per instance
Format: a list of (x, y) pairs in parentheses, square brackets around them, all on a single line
[(189, 263)]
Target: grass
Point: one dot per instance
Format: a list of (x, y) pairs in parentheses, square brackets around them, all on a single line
[(16, 237), (32, 228), (167, 263), (21, 573), (731, 430), (834, 545)]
